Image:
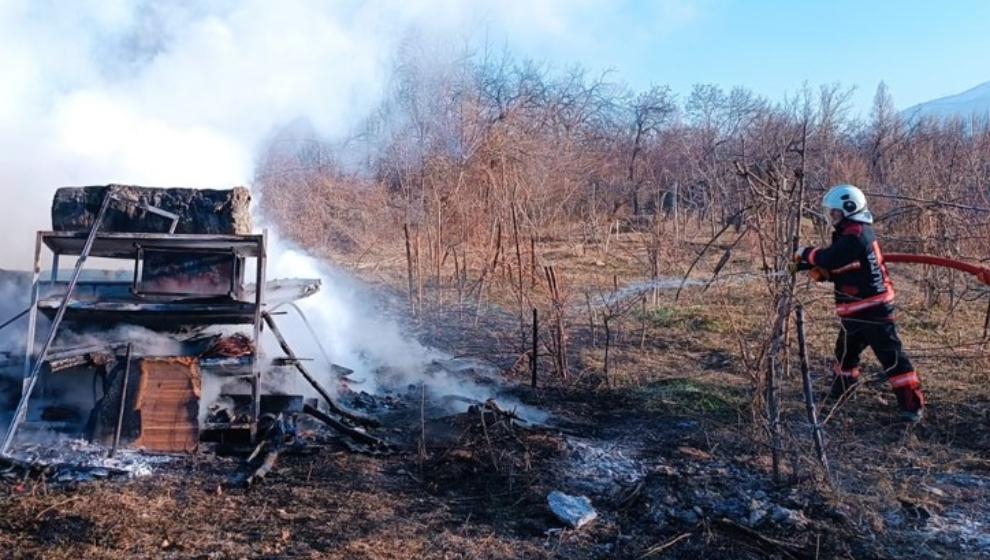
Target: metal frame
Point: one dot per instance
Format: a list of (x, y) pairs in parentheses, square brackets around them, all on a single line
[(130, 245), (123, 401), (123, 245), (147, 207), (259, 301), (31, 372)]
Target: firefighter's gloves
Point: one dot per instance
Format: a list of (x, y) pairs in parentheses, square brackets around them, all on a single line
[(796, 260), (799, 262)]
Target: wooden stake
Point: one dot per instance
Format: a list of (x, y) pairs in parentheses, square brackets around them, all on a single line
[(532, 262), (519, 275), (409, 269), (534, 355), (642, 337), (986, 323)]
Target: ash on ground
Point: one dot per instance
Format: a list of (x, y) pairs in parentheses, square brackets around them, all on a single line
[(76, 460)]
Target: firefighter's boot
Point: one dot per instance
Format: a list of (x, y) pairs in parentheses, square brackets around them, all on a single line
[(842, 382), (910, 399)]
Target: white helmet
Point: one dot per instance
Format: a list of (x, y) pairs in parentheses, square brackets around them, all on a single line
[(850, 201)]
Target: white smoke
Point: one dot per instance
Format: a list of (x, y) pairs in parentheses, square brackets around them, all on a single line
[(350, 326), (171, 93), (186, 93), (354, 328)]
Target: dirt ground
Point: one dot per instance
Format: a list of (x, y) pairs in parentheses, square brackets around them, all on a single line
[(667, 448)]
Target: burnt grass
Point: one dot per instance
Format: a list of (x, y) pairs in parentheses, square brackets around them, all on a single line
[(675, 410)]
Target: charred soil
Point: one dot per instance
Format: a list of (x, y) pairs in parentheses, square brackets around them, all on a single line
[(667, 444)]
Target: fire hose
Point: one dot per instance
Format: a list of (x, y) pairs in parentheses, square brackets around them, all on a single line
[(981, 273)]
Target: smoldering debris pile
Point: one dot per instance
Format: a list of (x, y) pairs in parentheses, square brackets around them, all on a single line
[(170, 359), (186, 328)]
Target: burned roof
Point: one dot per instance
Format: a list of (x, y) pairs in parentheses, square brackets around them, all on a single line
[(152, 210)]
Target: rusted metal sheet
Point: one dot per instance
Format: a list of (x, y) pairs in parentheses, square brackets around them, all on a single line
[(188, 273), (168, 404)]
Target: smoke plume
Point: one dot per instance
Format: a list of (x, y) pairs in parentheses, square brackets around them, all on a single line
[(169, 94), (186, 94)]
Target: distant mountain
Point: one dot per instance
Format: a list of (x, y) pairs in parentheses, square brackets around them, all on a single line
[(972, 102)]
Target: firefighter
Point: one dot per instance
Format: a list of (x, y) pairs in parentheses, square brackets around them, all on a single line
[(864, 297)]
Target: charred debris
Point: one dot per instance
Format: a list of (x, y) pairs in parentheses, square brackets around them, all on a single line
[(185, 272)]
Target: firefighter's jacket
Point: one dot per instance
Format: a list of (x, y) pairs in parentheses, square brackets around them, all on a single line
[(854, 263)]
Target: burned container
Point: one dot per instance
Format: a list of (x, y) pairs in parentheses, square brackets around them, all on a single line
[(181, 260)]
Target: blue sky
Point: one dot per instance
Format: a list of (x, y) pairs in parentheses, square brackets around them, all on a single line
[(185, 93), (922, 50)]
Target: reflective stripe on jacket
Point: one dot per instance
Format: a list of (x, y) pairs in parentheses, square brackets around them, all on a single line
[(855, 264)]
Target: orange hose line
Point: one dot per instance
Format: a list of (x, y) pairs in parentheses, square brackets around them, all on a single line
[(981, 273)]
